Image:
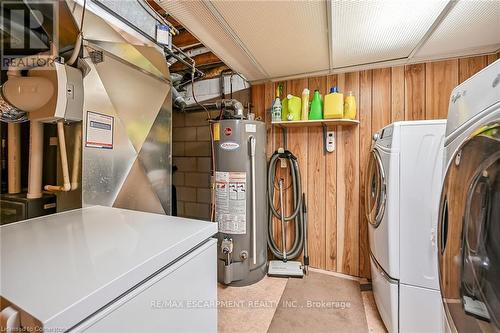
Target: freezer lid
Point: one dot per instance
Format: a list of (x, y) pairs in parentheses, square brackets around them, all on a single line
[(62, 268)]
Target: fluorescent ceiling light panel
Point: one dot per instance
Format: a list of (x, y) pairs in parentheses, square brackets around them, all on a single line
[(471, 27), (284, 37), (366, 31)]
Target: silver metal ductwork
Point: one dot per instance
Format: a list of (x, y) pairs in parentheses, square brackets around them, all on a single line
[(127, 116)]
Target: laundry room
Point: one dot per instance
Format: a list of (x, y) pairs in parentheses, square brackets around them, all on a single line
[(250, 166)]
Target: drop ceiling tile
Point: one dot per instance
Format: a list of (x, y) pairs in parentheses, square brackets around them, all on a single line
[(201, 22), (469, 28), (372, 31), (284, 37)]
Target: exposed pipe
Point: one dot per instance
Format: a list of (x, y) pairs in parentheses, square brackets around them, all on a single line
[(182, 60), (35, 170), (64, 161), (14, 158), (77, 151), (76, 50), (234, 105), (229, 104), (79, 39), (177, 100)]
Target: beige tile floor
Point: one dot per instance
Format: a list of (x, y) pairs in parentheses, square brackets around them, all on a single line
[(251, 308), (375, 324)]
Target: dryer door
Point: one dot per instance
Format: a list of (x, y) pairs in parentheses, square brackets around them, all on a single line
[(375, 196), (469, 229)]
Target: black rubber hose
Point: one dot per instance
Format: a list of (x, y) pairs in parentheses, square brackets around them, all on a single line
[(297, 215)]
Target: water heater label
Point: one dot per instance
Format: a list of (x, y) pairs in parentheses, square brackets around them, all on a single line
[(250, 128), (231, 202), (229, 145)]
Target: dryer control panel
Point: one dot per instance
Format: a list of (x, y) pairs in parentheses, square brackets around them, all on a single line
[(384, 136)]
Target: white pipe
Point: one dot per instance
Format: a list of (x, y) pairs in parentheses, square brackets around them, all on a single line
[(35, 160), (14, 158), (27, 93), (76, 50), (64, 161), (77, 151), (254, 205)]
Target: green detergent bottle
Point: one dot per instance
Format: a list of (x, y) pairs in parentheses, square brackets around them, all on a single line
[(316, 111)]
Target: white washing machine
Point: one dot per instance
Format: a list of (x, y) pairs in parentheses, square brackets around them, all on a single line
[(402, 196), (469, 219)]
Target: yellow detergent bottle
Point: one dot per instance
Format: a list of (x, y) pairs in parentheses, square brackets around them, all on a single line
[(294, 107), (334, 104), (350, 106), (284, 109)]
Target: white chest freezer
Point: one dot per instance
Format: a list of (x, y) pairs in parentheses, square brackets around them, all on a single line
[(102, 269)]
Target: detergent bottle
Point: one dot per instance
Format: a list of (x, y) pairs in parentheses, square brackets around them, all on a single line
[(276, 107), (316, 112), (294, 107), (334, 104), (350, 106), (305, 104), (284, 109)]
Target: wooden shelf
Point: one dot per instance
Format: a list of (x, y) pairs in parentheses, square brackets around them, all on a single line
[(315, 123)]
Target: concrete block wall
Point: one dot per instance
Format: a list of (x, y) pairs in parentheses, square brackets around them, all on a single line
[(192, 155), (191, 148)]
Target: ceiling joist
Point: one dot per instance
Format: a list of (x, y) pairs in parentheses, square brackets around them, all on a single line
[(200, 60), (184, 39)]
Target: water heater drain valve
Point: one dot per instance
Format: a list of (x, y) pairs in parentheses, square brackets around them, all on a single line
[(227, 248)]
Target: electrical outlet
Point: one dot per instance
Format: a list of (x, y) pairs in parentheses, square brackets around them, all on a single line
[(283, 163), (330, 141)]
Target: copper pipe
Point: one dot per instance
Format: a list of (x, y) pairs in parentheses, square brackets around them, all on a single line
[(35, 160), (14, 158)]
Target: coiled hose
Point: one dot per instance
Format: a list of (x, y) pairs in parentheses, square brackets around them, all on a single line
[(298, 212)]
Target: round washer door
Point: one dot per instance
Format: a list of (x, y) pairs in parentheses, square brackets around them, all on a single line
[(469, 229), (375, 195)]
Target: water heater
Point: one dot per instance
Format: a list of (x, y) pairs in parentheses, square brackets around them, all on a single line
[(240, 200)]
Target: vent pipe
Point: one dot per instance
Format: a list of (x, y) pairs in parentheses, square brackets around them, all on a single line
[(35, 160), (14, 157)]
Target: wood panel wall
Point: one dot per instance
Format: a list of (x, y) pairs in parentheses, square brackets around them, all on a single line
[(335, 182)]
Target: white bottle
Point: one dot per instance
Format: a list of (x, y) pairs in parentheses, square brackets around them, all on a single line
[(305, 104), (276, 110)]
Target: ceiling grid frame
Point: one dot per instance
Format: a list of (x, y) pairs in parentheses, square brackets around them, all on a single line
[(243, 24), (442, 16), (217, 15)]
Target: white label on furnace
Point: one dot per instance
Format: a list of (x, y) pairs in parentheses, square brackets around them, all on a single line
[(230, 202), (99, 130), (251, 128)]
